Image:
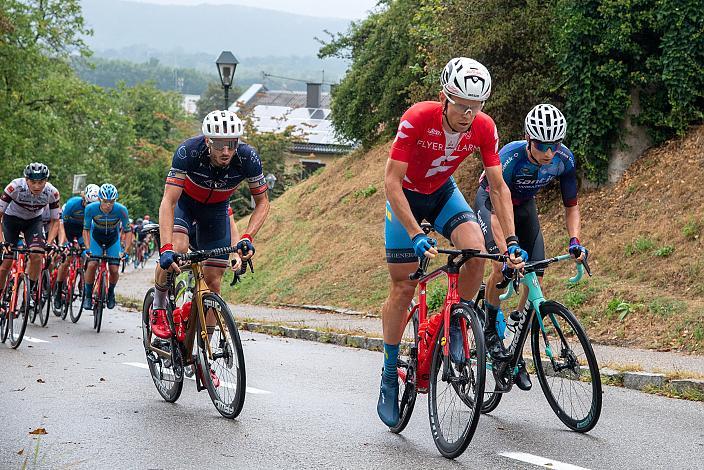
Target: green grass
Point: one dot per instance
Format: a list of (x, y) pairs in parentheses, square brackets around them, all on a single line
[(692, 229), (437, 291), (621, 308), (639, 245), (665, 251), (364, 193), (665, 307)]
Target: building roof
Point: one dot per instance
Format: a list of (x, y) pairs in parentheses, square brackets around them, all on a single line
[(276, 110)]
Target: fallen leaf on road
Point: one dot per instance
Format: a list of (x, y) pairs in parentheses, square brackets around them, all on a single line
[(39, 431), (54, 336), (30, 365), (20, 452), (41, 381), (19, 389), (102, 379), (91, 385), (120, 331)]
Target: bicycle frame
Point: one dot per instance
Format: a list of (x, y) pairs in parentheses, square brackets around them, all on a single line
[(19, 264), (534, 300)]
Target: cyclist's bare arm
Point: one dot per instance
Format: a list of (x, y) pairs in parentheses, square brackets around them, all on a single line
[(234, 237), (2, 235), (572, 220), (501, 200), (261, 211), (62, 233), (53, 231), (393, 186), (86, 239), (166, 213)]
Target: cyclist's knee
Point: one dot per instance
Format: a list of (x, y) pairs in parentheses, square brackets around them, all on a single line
[(403, 289)]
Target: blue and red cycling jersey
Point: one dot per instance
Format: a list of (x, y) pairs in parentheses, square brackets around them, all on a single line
[(525, 178), (207, 184)]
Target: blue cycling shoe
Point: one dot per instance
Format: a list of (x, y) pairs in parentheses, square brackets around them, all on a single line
[(456, 341), (387, 407)]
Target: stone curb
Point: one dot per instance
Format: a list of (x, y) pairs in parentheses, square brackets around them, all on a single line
[(642, 381), (327, 308)]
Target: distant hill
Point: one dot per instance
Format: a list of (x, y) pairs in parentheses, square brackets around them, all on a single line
[(204, 28), (184, 37)]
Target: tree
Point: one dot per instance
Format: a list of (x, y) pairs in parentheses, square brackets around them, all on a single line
[(213, 98)]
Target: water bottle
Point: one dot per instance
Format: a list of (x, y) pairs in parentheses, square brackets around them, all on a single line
[(501, 324), (511, 325)]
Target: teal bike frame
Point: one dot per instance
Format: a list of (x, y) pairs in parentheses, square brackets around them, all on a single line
[(534, 301)]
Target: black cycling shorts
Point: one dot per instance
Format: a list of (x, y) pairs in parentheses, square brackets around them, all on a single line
[(31, 228), (525, 219)]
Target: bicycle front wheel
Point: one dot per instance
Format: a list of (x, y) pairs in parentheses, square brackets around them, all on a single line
[(20, 314), (45, 298), (407, 367), (76, 294), (457, 388), (5, 311), (100, 302), (566, 367), (223, 373)]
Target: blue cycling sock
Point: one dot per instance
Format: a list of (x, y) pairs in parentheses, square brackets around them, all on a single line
[(111, 288), (390, 360)]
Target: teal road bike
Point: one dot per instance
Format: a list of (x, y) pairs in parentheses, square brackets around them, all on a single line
[(563, 357)]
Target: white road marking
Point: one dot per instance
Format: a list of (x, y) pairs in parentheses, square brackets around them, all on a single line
[(541, 461), (34, 340), (251, 390)]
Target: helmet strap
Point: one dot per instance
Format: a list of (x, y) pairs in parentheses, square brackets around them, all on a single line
[(531, 158)]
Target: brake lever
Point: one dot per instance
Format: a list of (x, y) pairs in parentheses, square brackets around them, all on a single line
[(586, 266)]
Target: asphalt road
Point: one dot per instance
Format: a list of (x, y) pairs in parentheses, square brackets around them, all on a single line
[(309, 405)]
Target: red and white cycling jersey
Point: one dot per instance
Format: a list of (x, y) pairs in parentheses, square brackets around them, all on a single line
[(433, 154), (18, 200)]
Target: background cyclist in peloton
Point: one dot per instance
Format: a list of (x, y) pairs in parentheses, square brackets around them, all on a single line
[(102, 224), (21, 207)]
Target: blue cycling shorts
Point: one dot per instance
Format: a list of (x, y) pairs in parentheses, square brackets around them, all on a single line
[(446, 209), (112, 247), (206, 225)]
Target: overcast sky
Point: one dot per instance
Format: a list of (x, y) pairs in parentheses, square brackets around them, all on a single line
[(351, 9)]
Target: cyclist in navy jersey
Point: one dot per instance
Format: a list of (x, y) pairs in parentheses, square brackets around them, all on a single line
[(205, 171), (528, 166)]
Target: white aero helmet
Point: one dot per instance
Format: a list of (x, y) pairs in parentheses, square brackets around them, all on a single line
[(222, 124), (545, 123), (466, 78), (90, 194)]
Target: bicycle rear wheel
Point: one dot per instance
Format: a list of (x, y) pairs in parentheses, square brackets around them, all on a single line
[(227, 362), (407, 367), (566, 367), (45, 298), (168, 382), (457, 389), (20, 314)]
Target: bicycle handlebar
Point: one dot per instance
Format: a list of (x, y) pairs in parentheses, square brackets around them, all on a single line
[(537, 265)]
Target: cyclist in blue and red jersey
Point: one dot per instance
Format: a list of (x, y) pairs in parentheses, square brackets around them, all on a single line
[(104, 224), (72, 218), (433, 138), (528, 166), (205, 171)]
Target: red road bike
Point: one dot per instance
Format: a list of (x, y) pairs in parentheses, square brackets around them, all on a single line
[(14, 307)]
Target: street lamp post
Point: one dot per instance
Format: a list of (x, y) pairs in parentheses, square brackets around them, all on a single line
[(227, 63)]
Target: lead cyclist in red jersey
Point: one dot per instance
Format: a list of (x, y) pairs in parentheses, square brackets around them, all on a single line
[(433, 138)]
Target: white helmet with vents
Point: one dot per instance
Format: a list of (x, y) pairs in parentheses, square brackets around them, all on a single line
[(466, 78), (222, 124), (545, 123), (90, 194)]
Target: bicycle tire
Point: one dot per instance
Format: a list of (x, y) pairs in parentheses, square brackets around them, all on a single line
[(407, 367), (76, 294), (18, 321), (102, 300), (170, 390), (34, 311), (5, 314), (58, 313), (46, 298), (553, 310), (457, 378), (68, 296), (229, 348)]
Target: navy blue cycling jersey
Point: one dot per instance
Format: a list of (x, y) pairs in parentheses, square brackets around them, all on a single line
[(207, 184), (525, 178)]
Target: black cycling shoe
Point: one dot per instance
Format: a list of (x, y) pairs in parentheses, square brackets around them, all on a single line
[(494, 346), (522, 378)]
